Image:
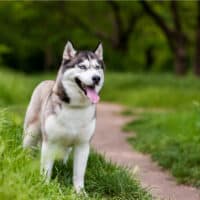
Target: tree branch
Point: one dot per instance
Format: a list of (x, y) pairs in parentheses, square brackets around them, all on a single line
[(157, 18), (132, 22), (117, 18), (160, 22), (178, 32), (175, 15)]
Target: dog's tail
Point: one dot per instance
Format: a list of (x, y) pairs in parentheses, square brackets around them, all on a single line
[(32, 136), (32, 123)]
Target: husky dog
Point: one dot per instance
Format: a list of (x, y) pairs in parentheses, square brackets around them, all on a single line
[(62, 113)]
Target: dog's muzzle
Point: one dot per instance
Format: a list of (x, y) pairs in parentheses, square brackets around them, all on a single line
[(89, 90)]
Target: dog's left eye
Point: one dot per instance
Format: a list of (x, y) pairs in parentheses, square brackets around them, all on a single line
[(97, 67), (82, 67)]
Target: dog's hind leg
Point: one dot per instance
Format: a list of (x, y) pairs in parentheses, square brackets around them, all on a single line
[(68, 151), (32, 134)]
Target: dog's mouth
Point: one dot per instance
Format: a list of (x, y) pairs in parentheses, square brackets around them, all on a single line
[(88, 90)]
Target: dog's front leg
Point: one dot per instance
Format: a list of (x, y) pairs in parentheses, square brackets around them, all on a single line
[(81, 153), (47, 161)]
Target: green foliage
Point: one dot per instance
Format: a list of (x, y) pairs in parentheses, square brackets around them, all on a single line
[(16, 88), (3, 50), (35, 33), (173, 140)]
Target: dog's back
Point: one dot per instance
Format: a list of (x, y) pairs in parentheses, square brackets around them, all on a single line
[(32, 124)]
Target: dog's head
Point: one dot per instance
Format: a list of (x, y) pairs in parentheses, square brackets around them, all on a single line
[(82, 74)]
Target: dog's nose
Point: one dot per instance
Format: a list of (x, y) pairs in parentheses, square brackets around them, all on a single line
[(96, 79)]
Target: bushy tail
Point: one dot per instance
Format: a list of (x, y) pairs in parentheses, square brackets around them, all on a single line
[(32, 135)]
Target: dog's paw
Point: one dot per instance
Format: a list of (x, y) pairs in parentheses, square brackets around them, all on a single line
[(81, 192)]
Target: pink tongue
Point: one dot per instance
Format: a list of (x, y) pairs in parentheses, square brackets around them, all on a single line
[(92, 95)]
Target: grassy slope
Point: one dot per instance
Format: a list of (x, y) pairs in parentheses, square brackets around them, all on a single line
[(173, 140), (19, 171), (16, 88)]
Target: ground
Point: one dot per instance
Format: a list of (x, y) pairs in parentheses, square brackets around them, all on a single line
[(111, 141)]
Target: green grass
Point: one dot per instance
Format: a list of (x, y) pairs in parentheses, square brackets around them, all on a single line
[(173, 140), (16, 88), (151, 90), (19, 170), (135, 90)]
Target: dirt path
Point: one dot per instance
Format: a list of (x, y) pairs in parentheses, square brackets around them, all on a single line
[(111, 141)]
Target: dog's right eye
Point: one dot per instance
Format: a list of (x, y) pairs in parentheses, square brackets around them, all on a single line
[(82, 67)]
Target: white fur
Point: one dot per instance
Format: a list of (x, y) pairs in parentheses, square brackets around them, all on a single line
[(81, 153), (89, 63), (76, 95), (99, 51), (61, 136), (69, 51), (86, 63), (32, 135), (93, 62), (78, 127)]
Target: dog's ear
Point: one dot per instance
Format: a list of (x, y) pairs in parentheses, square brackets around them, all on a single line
[(99, 51), (69, 51)]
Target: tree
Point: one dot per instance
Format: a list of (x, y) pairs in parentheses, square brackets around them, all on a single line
[(176, 37), (34, 33), (120, 36), (197, 50)]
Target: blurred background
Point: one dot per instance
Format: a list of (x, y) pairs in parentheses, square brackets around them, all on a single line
[(139, 36), (152, 54)]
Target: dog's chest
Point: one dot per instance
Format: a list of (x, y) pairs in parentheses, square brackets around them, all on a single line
[(71, 125)]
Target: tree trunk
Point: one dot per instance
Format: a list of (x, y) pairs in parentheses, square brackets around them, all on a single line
[(180, 59), (48, 60), (149, 57), (122, 45), (176, 38), (180, 55), (197, 53)]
